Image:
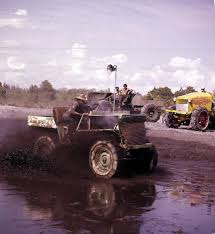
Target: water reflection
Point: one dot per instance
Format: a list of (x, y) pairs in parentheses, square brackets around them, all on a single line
[(91, 207)]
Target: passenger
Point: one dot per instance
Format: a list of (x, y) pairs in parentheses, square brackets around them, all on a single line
[(124, 95), (117, 92), (125, 91), (118, 97)]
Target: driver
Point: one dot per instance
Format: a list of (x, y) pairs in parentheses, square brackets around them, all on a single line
[(76, 109)]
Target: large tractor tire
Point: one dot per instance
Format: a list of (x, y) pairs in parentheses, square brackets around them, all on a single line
[(44, 146), (104, 159), (170, 121), (152, 112), (199, 119)]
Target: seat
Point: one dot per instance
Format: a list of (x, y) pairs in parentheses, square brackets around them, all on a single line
[(58, 114)]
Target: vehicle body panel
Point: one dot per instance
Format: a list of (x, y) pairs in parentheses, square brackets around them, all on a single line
[(131, 133), (42, 121)]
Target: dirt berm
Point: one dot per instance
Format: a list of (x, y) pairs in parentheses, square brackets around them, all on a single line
[(182, 143)]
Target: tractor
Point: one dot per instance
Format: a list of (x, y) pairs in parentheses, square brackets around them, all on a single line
[(111, 139), (196, 110)]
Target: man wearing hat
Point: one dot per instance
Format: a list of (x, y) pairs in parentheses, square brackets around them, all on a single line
[(77, 108)]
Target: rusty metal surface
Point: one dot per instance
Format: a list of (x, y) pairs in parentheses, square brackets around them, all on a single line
[(94, 97), (133, 133), (58, 114), (41, 121), (201, 101), (109, 113)]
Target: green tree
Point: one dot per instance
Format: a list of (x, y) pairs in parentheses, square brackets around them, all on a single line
[(34, 93), (162, 93), (46, 86), (33, 89), (47, 92), (181, 91), (2, 91)]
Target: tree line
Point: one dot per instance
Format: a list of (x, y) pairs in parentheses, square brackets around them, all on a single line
[(45, 95)]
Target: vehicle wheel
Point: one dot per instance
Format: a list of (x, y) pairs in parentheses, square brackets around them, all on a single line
[(199, 119), (152, 112), (104, 159), (170, 121), (44, 146)]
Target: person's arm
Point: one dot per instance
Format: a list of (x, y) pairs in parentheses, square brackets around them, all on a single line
[(121, 93), (130, 91), (72, 110)]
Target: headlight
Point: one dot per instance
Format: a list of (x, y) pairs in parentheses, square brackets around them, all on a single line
[(174, 99), (189, 101)]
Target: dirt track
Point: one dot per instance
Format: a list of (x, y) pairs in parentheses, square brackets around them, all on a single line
[(182, 143), (8, 112)]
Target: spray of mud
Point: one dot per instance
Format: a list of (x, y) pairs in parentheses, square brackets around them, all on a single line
[(17, 140), (16, 143)]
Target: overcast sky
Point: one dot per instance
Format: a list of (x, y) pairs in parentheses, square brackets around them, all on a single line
[(70, 42)]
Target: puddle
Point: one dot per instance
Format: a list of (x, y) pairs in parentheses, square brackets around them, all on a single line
[(178, 202)]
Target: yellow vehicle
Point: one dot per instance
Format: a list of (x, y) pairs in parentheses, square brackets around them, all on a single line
[(195, 110)]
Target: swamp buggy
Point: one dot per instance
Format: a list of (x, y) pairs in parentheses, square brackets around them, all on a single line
[(112, 139)]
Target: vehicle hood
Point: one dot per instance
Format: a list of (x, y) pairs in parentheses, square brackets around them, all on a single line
[(195, 95)]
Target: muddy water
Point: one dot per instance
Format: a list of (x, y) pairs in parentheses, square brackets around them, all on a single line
[(178, 198)]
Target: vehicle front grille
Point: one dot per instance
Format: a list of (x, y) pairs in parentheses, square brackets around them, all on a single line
[(133, 130), (182, 107)]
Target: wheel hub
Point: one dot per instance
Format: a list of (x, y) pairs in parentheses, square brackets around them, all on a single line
[(151, 113), (105, 159), (102, 162)]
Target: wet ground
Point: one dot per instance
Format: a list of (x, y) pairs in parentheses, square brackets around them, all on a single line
[(178, 197)]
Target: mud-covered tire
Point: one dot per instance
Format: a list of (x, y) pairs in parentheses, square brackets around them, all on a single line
[(152, 112), (44, 146), (104, 159), (170, 121), (199, 119)]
